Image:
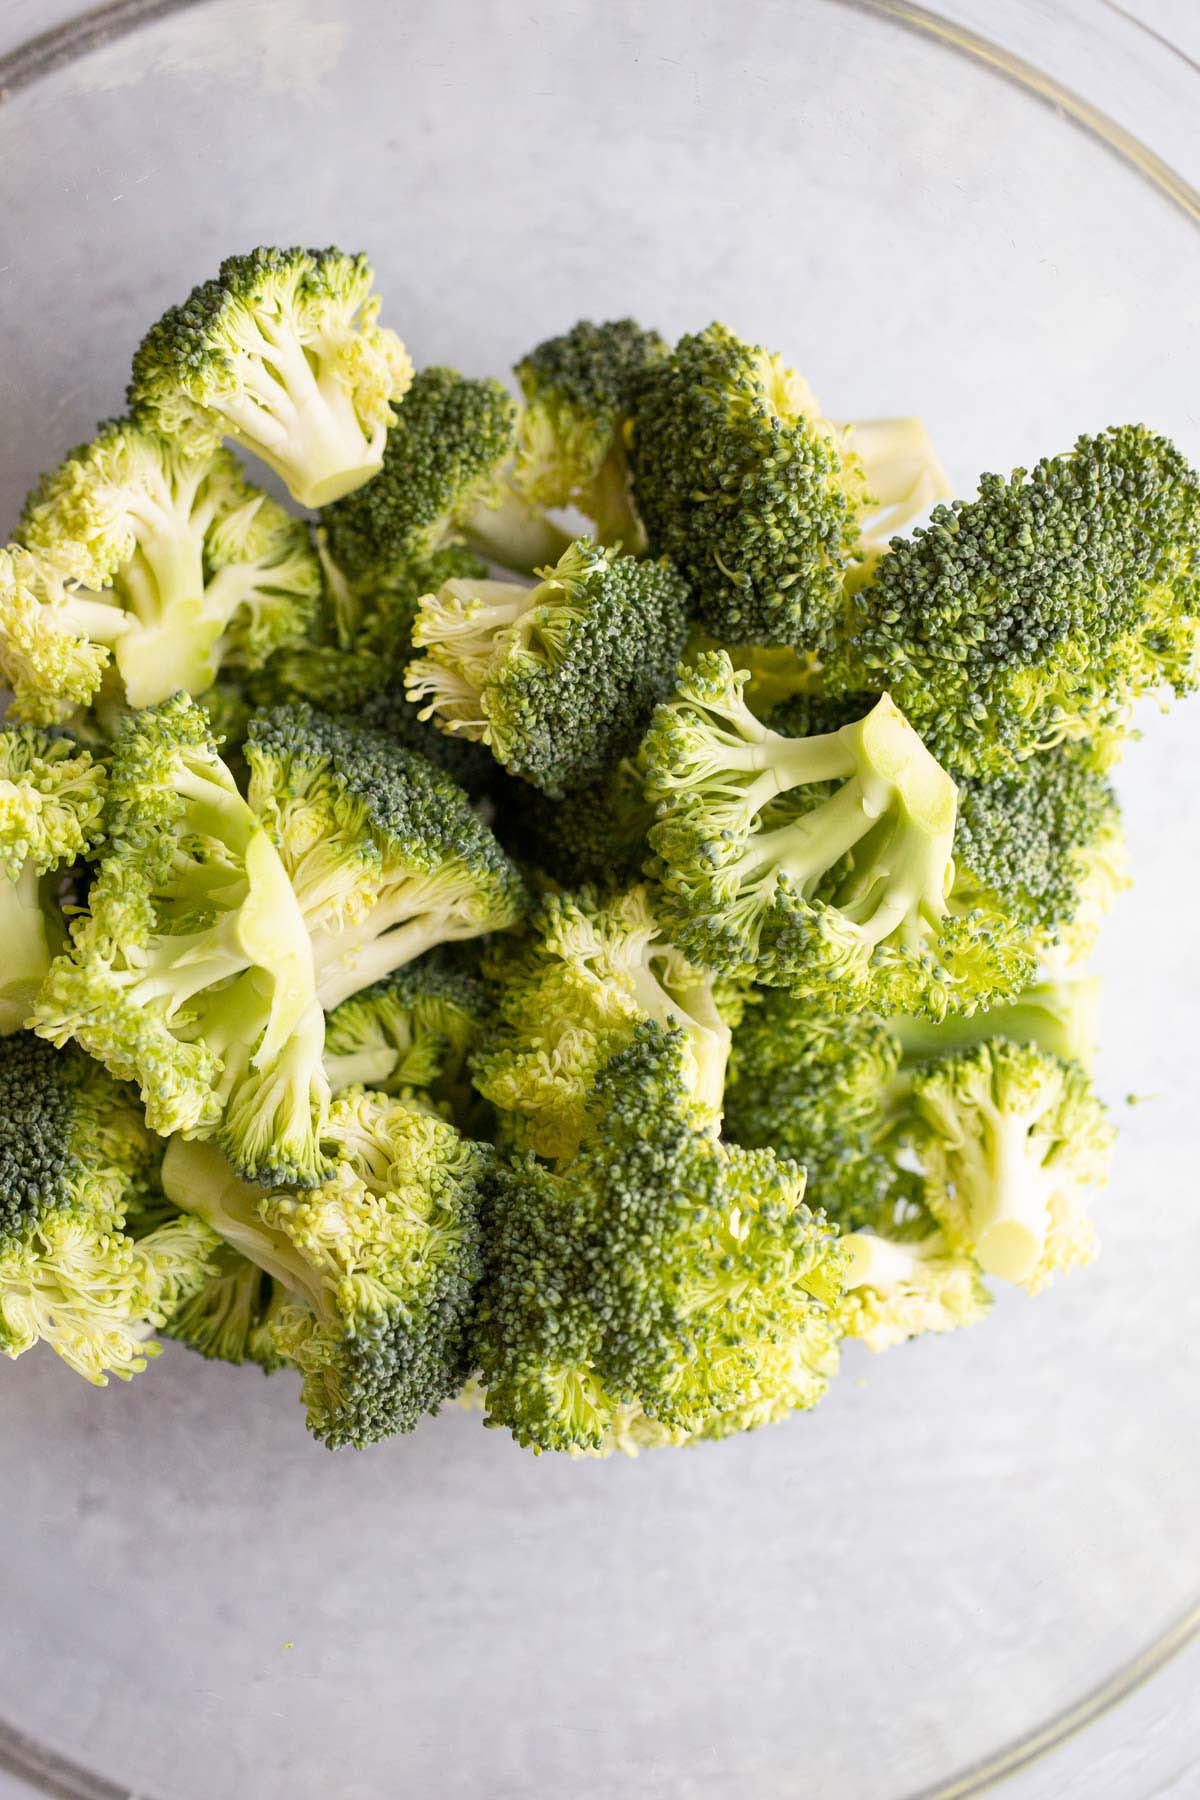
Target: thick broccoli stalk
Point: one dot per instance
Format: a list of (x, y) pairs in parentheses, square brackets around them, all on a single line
[(559, 680), (1057, 1015), (444, 480), (571, 439), (898, 1289), (55, 643), (1037, 613), (192, 973), (821, 864), (570, 997), (1013, 1143), (659, 1271), (75, 1158), (741, 481), (282, 354), (383, 852), (379, 1264), (205, 568), (51, 802)]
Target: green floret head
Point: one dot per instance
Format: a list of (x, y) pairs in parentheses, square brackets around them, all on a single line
[(659, 1271), (741, 481), (383, 851), (55, 644), (1014, 1143), (51, 802), (192, 974), (380, 1264), (75, 1157), (559, 679), (571, 451), (594, 836), (281, 353), (1040, 611), (1044, 843), (204, 569), (820, 864), (570, 996)]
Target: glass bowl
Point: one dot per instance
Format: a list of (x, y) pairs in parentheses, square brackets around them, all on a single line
[(976, 1543)]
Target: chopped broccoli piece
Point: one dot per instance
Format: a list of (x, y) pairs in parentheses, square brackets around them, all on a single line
[(192, 973), (821, 864), (660, 1270), (75, 1156), (444, 480), (571, 440), (282, 354), (383, 852), (51, 801), (899, 1288), (231, 1316), (559, 679), (1037, 613), (595, 836), (379, 1264), (55, 643), (570, 998), (204, 568)]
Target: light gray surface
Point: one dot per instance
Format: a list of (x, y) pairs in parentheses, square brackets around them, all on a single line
[(970, 1533)]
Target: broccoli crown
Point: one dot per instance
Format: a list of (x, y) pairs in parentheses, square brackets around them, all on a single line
[(415, 1029), (445, 456), (578, 391), (55, 643), (747, 488), (558, 680), (1039, 611), (380, 1263), (1043, 842), (281, 353), (383, 851), (51, 801), (569, 998), (192, 974), (819, 864), (595, 836), (204, 568), (1013, 1142), (75, 1156), (660, 1270)]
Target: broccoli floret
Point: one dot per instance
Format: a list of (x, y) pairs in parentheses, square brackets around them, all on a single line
[(51, 801), (231, 1316), (570, 997), (660, 1270), (1057, 1015), (900, 1288), (595, 836), (1013, 1143), (559, 679), (383, 852), (444, 479), (571, 440), (204, 568), (379, 1264), (192, 973), (820, 864), (808, 1084), (55, 643), (1043, 842), (75, 1157), (416, 1029), (1040, 611), (281, 353)]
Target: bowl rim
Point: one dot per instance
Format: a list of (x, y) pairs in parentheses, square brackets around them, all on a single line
[(46, 1770)]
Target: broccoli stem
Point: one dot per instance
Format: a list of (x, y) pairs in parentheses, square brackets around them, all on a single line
[(883, 1263), (360, 1068), (1010, 1212), (26, 946), (1057, 1016), (352, 960), (512, 534), (197, 1179), (695, 1011)]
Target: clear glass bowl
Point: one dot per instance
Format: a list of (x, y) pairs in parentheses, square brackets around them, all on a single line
[(977, 1542)]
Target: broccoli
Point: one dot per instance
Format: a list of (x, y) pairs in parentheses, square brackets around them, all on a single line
[(596, 835), (904, 477), (444, 479), (1013, 1142), (821, 864), (570, 998), (75, 1158), (385, 857), (899, 1288), (1057, 1015), (571, 443), (192, 972), (559, 679), (51, 800), (659, 1270), (232, 1315), (55, 643), (379, 1264), (205, 569), (281, 353), (1037, 613)]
